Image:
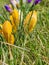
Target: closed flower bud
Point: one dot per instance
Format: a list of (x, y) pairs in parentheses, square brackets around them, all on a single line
[(7, 27), (8, 8), (15, 18), (30, 21), (15, 14), (33, 21)]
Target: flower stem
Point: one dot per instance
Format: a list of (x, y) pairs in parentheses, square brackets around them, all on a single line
[(23, 51)]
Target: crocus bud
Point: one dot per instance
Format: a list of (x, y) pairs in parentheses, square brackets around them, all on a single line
[(7, 7)]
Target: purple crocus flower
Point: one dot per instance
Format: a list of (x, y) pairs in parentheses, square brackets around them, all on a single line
[(36, 2), (7, 7)]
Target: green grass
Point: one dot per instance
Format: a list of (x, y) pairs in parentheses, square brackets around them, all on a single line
[(39, 42), (2, 3)]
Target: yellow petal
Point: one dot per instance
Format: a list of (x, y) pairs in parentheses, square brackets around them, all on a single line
[(27, 18)]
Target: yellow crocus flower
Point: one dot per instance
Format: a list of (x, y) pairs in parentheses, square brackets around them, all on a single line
[(6, 31), (7, 27), (15, 15), (32, 22)]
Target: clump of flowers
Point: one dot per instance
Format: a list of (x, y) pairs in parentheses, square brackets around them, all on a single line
[(21, 20)]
